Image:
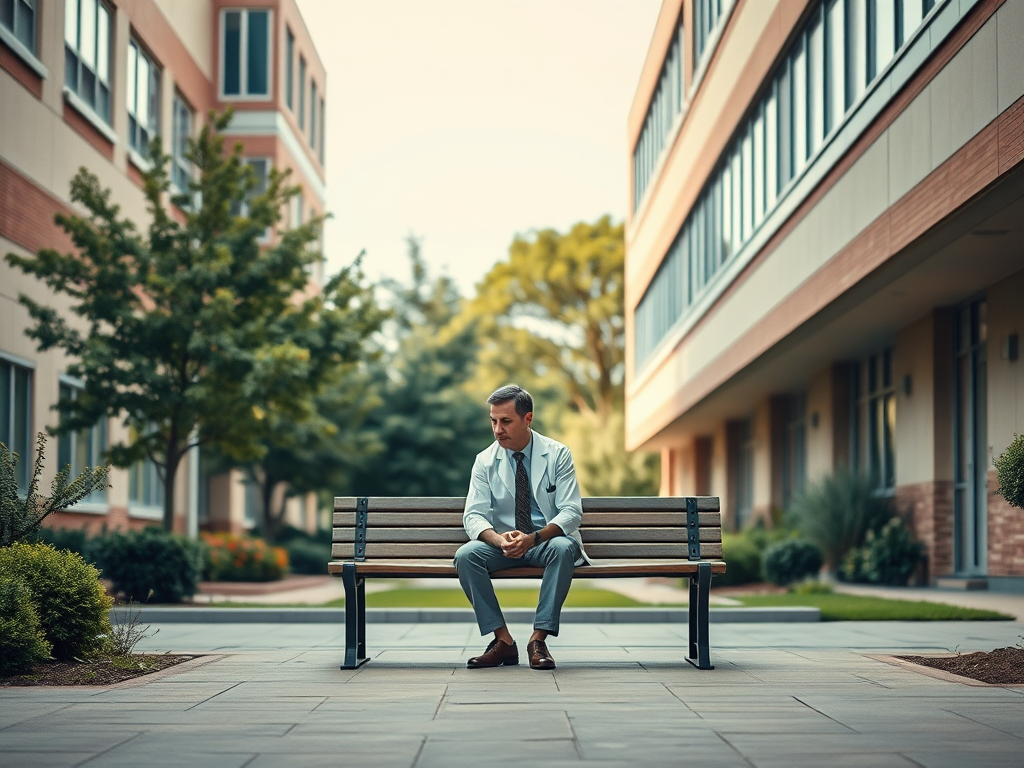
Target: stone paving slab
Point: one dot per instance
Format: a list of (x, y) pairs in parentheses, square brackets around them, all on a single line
[(781, 695)]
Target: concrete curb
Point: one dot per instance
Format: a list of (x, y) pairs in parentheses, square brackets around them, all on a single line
[(653, 615)]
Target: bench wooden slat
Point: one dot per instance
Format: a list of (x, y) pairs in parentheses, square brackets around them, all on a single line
[(606, 568), (592, 503), (440, 550), (593, 535), (590, 519)]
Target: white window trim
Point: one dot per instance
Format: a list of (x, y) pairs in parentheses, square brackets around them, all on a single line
[(145, 512), (87, 112), (243, 56), (23, 53), (176, 99), (23, 362), (139, 161)]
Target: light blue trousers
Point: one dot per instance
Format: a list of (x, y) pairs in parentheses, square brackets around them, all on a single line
[(476, 560)]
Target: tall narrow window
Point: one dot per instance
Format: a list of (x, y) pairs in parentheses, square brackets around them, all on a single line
[(143, 80), (835, 64), (794, 447), (856, 50), (312, 114), (302, 94), (800, 98), (82, 448), (19, 18), (289, 70), (15, 420), (816, 84), (758, 161), (181, 173), (87, 31), (323, 130), (245, 53), (882, 27)]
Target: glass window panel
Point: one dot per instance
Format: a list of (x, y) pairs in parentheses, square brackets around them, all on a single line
[(103, 45), (22, 424), (816, 82), (133, 63), (836, 65), (737, 199), (71, 23), (302, 95), (323, 130), (7, 14), (258, 49), (799, 107), (758, 163), (312, 114), (142, 84), (771, 143), (785, 127), (856, 50), (232, 53), (748, 186), (727, 242), (884, 33), (912, 16), (289, 71), (88, 33), (25, 23), (6, 404)]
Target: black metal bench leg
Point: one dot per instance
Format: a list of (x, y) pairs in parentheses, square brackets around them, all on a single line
[(355, 617), (700, 594)]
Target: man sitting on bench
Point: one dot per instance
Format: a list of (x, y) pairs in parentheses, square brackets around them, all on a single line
[(523, 509)]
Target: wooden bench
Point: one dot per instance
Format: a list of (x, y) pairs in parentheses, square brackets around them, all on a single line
[(392, 537)]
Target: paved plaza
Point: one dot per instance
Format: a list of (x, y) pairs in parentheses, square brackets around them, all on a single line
[(270, 695)]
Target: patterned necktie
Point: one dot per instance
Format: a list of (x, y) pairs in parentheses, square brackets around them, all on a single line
[(523, 521)]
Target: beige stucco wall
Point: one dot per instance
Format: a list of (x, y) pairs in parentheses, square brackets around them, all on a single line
[(819, 437), (1005, 377), (913, 356), (761, 505), (193, 21)]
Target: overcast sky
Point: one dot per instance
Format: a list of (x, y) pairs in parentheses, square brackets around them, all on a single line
[(465, 122)]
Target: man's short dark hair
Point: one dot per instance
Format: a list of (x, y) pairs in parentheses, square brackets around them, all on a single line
[(515, 393)]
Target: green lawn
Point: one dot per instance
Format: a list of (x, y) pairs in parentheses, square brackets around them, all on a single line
[(838, 607)]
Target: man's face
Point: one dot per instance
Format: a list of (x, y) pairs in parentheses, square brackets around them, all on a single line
[(510, 429)]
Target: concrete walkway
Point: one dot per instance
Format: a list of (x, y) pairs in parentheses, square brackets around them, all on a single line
[(781, 695)]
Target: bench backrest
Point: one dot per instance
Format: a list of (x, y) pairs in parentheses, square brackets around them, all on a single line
[(622, 527)]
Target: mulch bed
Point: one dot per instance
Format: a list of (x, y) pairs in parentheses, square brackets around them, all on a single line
[(1003, 666), (94, 672)]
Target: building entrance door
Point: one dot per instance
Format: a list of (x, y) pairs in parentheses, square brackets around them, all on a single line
[(970, 443)]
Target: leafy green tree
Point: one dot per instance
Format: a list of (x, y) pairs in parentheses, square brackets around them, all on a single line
[(551, 318), (184, 334), (428, 426)]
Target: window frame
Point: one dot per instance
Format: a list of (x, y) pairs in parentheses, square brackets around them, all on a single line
[(243, 55), (312, 113), (68, 443), (180, 164), (82, 101), (289, 68), (23, 470), (302, 93), (135, 129), (32, 46)]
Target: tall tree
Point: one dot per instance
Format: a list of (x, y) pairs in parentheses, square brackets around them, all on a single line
[(428, 426), (182, 339), (551, 317)]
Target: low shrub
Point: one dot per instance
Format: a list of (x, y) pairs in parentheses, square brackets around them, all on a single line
[(22, 642), (889, 556), (791, 560), (1010, 472), (242, 558), (66, 592), (811, 587), (837, 512), (150, 564), (71, 539), (307, 556), (743, 557)]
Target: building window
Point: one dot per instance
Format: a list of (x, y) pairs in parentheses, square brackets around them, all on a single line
[(261, 169), (145, 489), (323, 134), (707, 15), (15, 416), (794, 447), (666, 104), (87, 37), (143, 79), (741, 465), (312, 114), (302, 94), (873, 421), (19, 17), (289, 70), (245, 53), (82, 448), (842, 47), (181, 166)]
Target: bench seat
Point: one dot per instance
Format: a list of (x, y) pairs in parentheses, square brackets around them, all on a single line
[(394, 537)]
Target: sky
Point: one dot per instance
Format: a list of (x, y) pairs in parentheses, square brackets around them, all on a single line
[(466, 122)]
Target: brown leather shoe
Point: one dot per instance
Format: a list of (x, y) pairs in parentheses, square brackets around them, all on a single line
[(539, 656), (498, 653)]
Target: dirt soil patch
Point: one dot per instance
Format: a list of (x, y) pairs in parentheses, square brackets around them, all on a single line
[(104, 672), (1003, 666)]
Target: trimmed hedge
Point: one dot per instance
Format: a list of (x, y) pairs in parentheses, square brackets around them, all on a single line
[(150, 565), (791, 560), (70, 601), (22, 642)]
